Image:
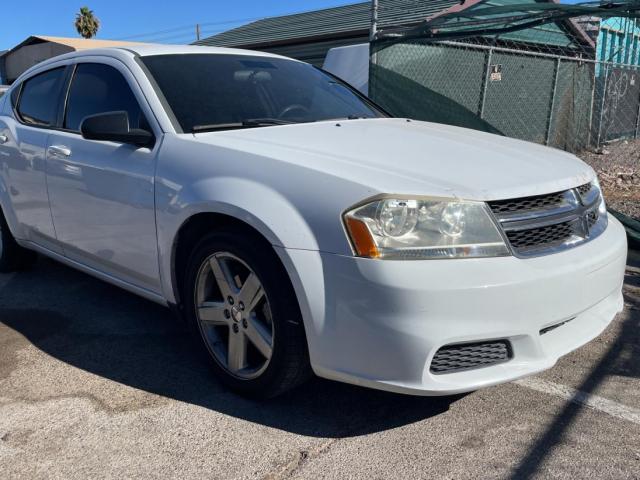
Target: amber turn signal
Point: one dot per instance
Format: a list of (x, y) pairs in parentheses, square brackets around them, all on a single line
[(361, 238)]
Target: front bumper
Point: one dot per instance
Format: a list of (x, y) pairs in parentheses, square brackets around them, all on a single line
[(379, 323)]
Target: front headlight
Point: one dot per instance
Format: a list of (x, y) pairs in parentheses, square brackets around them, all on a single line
[(429, 228)]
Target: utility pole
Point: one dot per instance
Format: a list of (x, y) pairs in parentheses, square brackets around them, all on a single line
[(373, 32), (197, 32)]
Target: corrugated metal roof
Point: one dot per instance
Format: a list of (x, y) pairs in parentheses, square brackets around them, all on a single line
[(345, 20)]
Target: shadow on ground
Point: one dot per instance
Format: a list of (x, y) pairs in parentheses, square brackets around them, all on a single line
[(620, 359), (108, 332)]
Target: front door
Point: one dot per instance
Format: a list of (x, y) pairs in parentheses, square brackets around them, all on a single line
[(102, 193)]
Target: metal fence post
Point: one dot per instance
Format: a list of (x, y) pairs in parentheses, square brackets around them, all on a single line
[(593, 99), (373, 31), (485, 83), (553, 99), (635, 135), (604, 98)]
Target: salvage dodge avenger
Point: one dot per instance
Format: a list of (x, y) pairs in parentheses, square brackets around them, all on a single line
[(298, 228)]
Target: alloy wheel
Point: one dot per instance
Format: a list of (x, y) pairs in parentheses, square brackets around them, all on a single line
[(234, 315)]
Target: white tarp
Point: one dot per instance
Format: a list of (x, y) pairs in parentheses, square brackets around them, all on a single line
[(351, 64)]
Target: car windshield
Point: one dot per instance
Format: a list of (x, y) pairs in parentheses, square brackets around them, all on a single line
[(208, 92)]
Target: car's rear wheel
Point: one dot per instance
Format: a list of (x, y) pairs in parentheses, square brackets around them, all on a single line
[(12, 256), (243, 310)]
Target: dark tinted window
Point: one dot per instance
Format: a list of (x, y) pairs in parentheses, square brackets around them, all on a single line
[(98, 88), (209, 89), (39, 98)]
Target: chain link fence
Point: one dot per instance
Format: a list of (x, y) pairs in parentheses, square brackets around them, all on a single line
[(572, 82)]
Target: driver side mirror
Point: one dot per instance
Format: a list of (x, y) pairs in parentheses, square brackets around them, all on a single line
[(114, 127)]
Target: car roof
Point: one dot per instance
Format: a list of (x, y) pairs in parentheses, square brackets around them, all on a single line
[(149, 49)]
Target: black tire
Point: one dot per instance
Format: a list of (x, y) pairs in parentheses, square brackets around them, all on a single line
[(288, 366), (12, 256)]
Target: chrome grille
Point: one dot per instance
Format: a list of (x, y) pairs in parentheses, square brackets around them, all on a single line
[(456, 358), (547, 235), (584, 189), (538, 202), (544, 224)]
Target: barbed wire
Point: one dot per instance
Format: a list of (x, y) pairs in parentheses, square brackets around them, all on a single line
[(191, 28)]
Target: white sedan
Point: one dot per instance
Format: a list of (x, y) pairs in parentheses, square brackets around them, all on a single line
[(298, 228)]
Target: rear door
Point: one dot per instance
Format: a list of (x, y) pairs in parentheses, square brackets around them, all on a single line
[(24, 131), (102, 193)]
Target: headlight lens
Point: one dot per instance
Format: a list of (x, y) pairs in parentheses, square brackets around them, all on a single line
[(416, 229)]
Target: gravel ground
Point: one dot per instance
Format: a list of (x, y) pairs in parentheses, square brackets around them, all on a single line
[(618, 167), (97, 383)]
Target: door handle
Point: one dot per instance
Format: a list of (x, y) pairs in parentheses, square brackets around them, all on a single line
[(3, 139), (59, 151)]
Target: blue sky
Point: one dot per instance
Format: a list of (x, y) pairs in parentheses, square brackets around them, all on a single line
[(128, 18)]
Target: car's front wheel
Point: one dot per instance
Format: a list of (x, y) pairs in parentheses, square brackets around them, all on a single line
[(243, 311)]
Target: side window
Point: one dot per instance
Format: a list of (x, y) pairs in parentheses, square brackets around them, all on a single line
[(39, 98), (98, 88)]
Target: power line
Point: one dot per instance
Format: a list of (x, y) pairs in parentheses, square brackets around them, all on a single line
[(153, 36), (188, 27), (159, 32), (182, 37)]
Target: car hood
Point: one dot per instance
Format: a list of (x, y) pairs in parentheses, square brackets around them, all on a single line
[(413, 157)]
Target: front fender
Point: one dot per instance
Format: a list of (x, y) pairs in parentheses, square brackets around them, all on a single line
[(261, 207), (296, 205)]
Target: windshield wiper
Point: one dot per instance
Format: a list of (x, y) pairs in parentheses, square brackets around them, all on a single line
[(351, 117), (249, 123)]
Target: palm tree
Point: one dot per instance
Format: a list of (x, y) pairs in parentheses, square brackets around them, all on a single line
[(87, 24)]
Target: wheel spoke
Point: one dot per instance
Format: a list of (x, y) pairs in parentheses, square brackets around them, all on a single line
[(251, 292), (237, 353), (260, 337), (222, 276), (212, 313)]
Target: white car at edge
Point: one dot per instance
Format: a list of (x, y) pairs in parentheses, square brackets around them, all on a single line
[(298, 229)]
